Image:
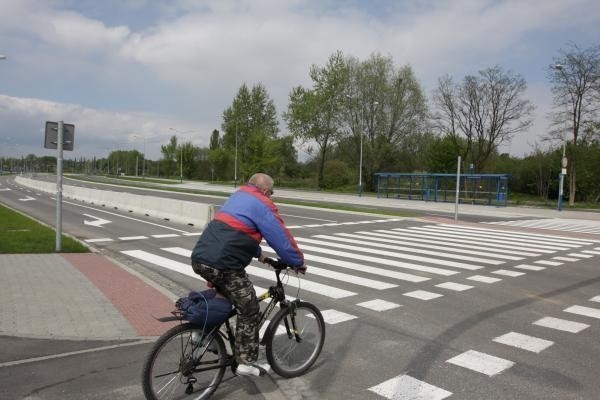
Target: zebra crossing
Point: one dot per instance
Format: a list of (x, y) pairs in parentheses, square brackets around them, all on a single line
[(436, 258), (570, 225), (365, 268), (405, 386)]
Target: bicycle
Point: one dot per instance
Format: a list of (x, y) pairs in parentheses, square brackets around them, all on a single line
[(187, 362)]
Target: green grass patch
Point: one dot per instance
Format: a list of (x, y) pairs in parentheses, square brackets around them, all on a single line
[(20, 234)]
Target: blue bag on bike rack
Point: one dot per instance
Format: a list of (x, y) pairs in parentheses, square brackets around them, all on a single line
[(204, 308)]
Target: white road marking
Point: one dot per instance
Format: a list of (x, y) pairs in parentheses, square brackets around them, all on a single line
[(481, 362), (192, 234), (554, 224), (561, 324), (514, 244), (303, 217), (558, 238), (550, 263), (410, 237), (596, 299), (423, 295), (97, 221), (325, 290), (133, 237), (429, 237), (507, 272), (27, 198), (585, 311), (393, 254), (333, 317), (567, 259), (404, 387), (361, 267), (419, 250), (123, 216), (73, 353), (596, 253), (166, 235), (525, 342), (484, 279), (356, 280), (379, 305), (530, 267), (304, 284), (520, 239), (99, 240), (380, 261), (580, 255), (459, 287)]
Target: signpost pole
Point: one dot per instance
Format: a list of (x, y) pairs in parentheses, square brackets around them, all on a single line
[(457, 191), (59, 172)]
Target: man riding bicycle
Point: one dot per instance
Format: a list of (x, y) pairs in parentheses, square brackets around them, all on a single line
[(227, 246)]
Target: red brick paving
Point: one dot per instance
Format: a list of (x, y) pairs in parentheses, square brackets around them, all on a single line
[(135, 299)]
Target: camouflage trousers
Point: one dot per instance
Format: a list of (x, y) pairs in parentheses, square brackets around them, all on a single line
[(236, 286)]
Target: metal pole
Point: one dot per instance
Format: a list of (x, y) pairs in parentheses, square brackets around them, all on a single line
[(181, 164), (457, 190), (59, 171), (144, 161), (561, 178), (236, 155), (360, 166)]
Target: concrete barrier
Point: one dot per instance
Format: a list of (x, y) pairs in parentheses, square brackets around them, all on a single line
[(179, 211)]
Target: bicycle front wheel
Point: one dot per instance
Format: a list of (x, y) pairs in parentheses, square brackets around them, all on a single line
[(182, 366), (295, 339)]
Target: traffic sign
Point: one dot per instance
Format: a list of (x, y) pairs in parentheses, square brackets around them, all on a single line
[(51, 135)]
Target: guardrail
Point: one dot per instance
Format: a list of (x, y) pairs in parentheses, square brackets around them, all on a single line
[(179, 211)]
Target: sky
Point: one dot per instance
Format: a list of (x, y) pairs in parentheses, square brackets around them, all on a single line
[(131, 73)]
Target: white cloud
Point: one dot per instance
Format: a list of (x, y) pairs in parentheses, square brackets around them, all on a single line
[(96, 131), (187, 61)]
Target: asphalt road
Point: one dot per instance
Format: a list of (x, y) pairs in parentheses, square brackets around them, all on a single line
[(414, 309)]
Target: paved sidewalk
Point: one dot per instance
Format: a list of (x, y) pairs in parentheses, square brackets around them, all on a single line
[(77, 297)]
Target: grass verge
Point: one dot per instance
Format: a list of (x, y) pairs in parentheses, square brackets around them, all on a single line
[(21, 234)]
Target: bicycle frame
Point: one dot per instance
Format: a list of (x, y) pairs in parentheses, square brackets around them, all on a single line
[(277, 295)]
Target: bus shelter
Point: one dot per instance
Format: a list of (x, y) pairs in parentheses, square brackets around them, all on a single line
[(487, 189)]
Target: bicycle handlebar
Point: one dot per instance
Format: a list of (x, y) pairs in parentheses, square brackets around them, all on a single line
[(280, 265)]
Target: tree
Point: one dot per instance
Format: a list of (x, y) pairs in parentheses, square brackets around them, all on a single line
[(249, 124), (315, 115), (170, 156), (486, 110), (388, 107), (575, 76)]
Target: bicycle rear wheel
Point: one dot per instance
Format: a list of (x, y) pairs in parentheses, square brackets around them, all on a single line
[(181, 366), (292, 355)]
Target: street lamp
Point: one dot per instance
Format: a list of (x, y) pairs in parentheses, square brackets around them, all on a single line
[(181, 153), (249, 118), (360, 187), (563, 171), (2, 57), (143, 156)]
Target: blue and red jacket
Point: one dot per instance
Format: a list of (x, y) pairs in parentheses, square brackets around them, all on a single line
[(232, 238)]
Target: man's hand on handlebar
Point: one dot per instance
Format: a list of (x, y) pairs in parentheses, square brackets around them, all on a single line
[(301, 269), (279, 265)]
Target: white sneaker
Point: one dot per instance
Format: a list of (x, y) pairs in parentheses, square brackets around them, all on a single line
[(252, 369)]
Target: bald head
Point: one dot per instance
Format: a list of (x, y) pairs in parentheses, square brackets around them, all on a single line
[(261, 181)]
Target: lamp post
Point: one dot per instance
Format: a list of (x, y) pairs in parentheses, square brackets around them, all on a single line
[(143, 155), (181, 152), (2, 57), (360, 187), (563, 171)]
